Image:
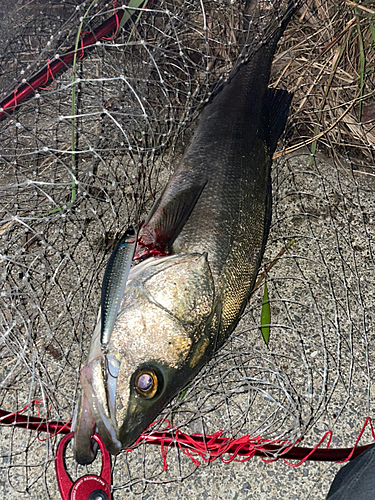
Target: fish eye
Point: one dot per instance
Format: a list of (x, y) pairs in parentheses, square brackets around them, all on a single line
[(146, 383)]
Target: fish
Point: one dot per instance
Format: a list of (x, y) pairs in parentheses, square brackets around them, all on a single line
[(195, 264)]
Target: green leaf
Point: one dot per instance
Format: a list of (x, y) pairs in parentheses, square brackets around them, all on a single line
[(136, 4), (362, 63), (73, 134), (128, 12), (372, 29), (337, 60), (265, 318)]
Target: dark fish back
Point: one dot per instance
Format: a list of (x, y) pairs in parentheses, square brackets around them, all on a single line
[(232, 148)]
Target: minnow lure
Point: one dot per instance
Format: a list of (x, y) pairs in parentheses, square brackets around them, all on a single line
[(114, 281)]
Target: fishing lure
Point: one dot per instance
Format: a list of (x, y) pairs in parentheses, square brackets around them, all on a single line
[(114, 282)]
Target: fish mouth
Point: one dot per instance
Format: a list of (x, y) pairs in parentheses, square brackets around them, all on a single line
[(98, 381), (85, 447), (99, 384)]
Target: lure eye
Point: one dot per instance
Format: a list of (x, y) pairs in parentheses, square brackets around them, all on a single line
[(146, 383)]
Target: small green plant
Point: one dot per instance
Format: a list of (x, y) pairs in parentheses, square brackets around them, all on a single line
[(128, 13), (354, 51), (265, 317)]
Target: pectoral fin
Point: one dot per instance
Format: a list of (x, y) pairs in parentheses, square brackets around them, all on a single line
[(169, 215), (175, 214)]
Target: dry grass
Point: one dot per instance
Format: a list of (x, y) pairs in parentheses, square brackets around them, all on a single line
[(327, 58)]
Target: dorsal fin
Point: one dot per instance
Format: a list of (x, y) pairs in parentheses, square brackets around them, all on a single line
[(276, 103)]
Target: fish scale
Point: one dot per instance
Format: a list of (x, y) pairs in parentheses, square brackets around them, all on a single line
[(234, 201)]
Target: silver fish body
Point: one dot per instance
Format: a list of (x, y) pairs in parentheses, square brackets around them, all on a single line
[(212, 221)]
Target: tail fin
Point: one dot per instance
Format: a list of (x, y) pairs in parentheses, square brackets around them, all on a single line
[(265, 23)]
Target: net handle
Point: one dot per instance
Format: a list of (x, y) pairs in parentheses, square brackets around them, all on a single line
[(171, 439), (61, 63)]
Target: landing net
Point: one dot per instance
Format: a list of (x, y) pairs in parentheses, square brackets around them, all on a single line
[(85, 155)]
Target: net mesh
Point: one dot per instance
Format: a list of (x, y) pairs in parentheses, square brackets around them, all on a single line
[(86, 155)]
